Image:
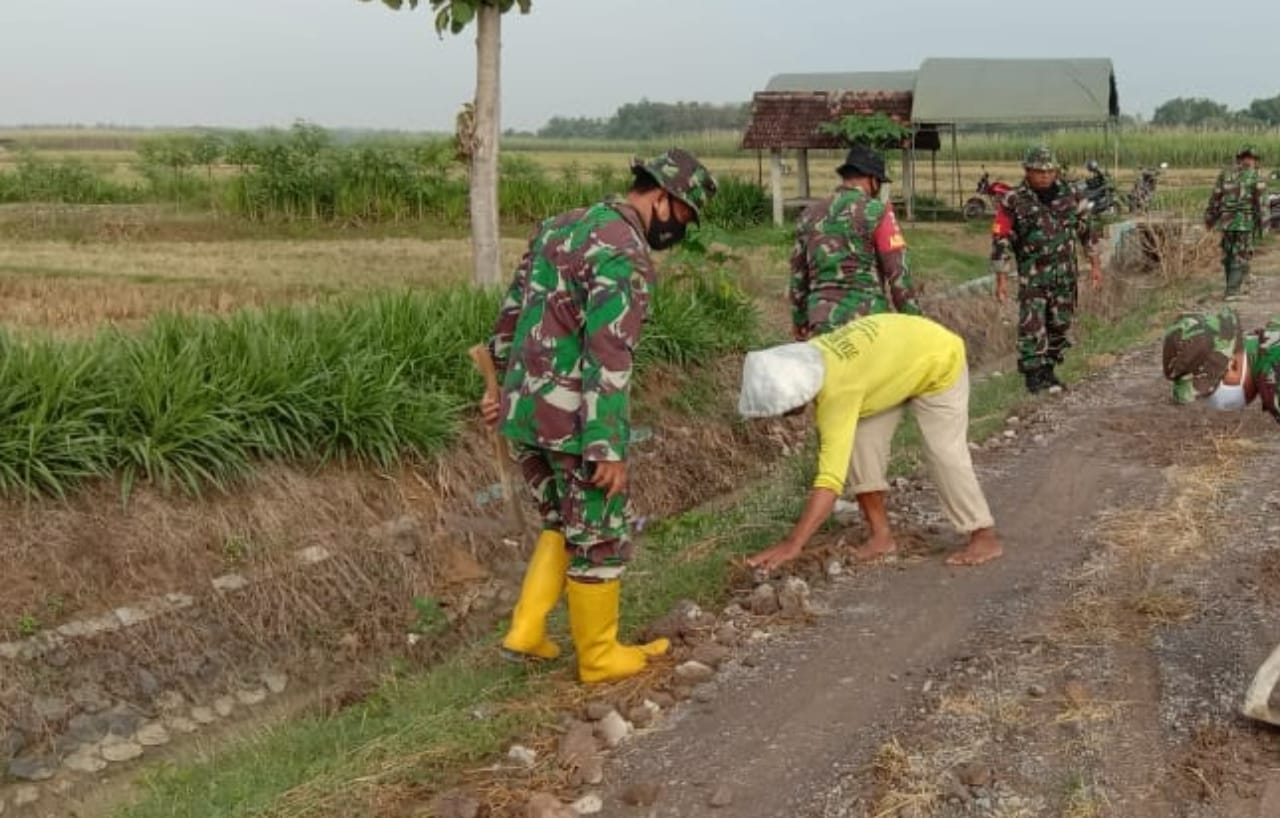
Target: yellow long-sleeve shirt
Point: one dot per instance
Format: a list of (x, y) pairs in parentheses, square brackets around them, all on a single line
[(874, 364)]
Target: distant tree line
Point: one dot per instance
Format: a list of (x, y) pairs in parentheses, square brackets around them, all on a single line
[(646, 119), (1205, 112)]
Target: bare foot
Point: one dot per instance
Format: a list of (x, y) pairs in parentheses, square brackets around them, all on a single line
[(983, 546), (880, 545)]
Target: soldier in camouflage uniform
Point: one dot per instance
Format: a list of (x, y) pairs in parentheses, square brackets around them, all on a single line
[(1040, 223), (850, 258), (1206, 356), (563, 348), (1237, 206)]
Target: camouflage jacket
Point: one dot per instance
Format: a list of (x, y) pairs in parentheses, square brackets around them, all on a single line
[(1041, 237), (849, 259), (1238, 201), (565, 336), (1262, 347)]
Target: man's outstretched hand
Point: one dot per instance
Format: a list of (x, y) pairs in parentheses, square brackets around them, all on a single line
[(775, 556)]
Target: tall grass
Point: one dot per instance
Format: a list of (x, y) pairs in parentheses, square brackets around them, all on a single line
[(193, 402), (1180, 147)]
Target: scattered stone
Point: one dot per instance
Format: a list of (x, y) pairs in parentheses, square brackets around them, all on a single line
[(588, 804), (693, 673), (224, 706), (704, 693), (116, 749), (577, 744), (613, 729), (148, 685), (727, 635), (32, 768), (170, 701), (57, 658), (51, 709), (764, 600), (733, 610), (641, 715), (25, 795), (953, 790), (454, 804), (722, 797), (85, 760), (664, 701), (86, 729), (203, 715), (403, 533), (252, 696), (545, 805), (1010, 433), (1012, 420), (590, 771), (710, 654), (641, 794), (275, 681), (794, 597), (152, 734), (1038, 440), (229, 582), (522, 755), (123, 720), (682, 692), (973, 774), (181, 724), (1036, 691), (11, 743), (834, 568), (598, 710)]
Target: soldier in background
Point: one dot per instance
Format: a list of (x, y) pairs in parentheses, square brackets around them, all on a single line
[(563, 348), (1208, 357), (1040, 223), (850, 258), (1237, 207)]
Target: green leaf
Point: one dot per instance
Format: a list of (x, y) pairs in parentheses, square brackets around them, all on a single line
[(462, 13)]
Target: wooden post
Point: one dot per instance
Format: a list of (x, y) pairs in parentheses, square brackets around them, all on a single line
[(802, 170), (908, 176), (775, 183)]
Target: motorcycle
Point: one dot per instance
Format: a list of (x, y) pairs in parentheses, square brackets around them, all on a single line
[(975, 207), (1144, 188), (1098, 190)]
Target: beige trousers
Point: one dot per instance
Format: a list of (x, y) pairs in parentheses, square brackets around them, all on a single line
[(944, 428)]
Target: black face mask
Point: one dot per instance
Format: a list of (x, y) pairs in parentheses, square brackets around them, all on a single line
[(664, 233)]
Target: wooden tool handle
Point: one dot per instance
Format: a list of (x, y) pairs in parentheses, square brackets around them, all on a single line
[(484, 362)]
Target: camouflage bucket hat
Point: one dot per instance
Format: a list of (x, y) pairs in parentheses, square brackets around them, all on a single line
[(680, 173), (1040, 157), (1198, 347), (1248, 150)]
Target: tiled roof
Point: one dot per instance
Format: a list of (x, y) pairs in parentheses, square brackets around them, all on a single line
[(791, 119)]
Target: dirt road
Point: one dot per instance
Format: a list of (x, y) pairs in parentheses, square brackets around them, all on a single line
[(1095, 671)]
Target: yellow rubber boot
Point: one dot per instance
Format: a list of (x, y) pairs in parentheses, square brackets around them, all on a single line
[(593, 620), (543, 582)]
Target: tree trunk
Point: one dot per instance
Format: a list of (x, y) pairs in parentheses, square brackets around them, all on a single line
[(484, 157)]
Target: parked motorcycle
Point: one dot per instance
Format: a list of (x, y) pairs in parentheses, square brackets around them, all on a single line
[(1098, 189), (975, 207), (1144, 188)]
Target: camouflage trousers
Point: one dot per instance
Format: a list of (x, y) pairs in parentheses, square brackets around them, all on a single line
[(825, 312), (1046, 308), (595, 528), (1237, 249)]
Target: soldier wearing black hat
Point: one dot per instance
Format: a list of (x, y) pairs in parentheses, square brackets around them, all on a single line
[(850, 258)]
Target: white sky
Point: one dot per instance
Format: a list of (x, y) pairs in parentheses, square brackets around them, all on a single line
[(343, 63)]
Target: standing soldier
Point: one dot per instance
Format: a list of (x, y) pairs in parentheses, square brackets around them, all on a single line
[(563, 348), (1039, 223), (850, 258), (1236, 206)]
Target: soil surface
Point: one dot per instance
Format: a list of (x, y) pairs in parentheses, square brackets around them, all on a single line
[(1096, 670)]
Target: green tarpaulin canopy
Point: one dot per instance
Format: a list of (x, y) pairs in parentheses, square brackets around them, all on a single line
[(971, 91)]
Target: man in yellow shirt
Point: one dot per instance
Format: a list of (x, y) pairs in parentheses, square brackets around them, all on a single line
[(863, 375)]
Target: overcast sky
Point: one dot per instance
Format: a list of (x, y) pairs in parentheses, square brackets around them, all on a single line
[(339, 63)]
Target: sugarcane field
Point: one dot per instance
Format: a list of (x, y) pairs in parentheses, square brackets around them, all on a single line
[(522, 409)]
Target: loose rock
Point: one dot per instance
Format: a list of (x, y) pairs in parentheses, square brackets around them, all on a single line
[(26, 795), (224, 706), (51, 709), (693, 672), (590, 771), (86, 729), (641, 794), (123, 720), (588, 804), (181, 724), (152, 735), (598, 710), (85, 760), (203, 715), (722, 797), (90, 698), (973, 774), (834, 568), (641, 715), (116, 749), (522, 755), (764, 600), (275, 681), (170, 701), (793, 599), (710, 654), (727, 635), (1037, 691), (251, 696), (613, 729), (32, 768), (704, 693), (664, 701), (577, 744), (454, 804), (545, 805)]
